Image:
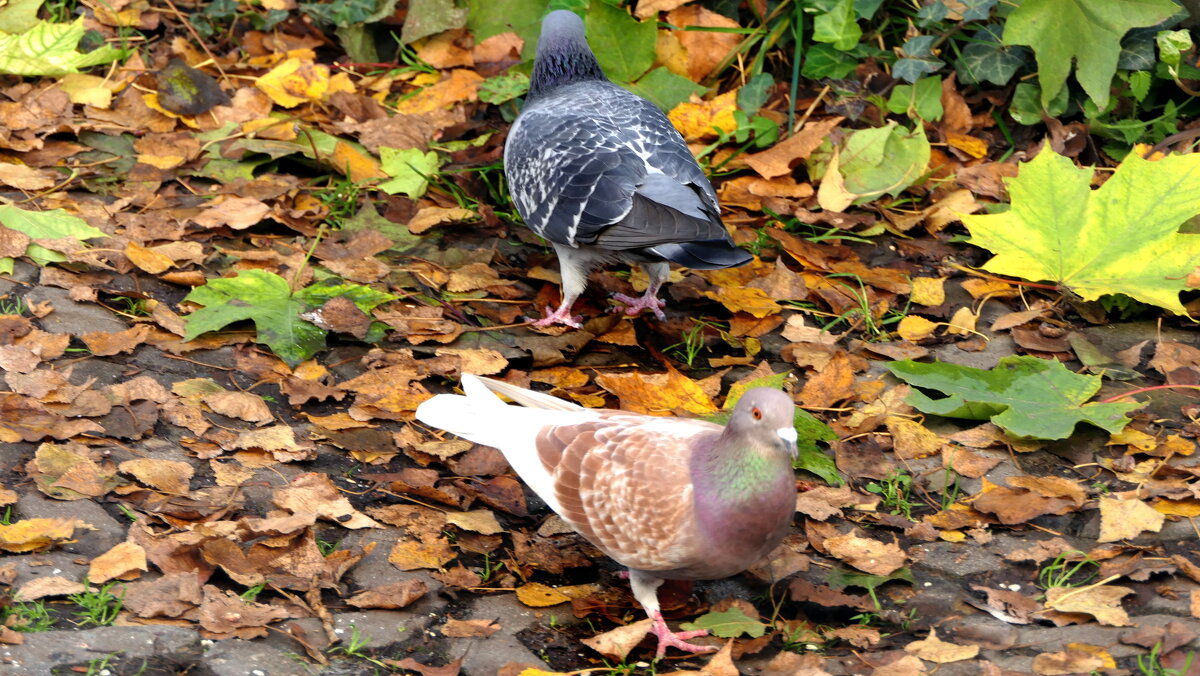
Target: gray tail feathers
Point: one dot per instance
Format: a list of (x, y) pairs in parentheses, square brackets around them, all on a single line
[(706, 255)]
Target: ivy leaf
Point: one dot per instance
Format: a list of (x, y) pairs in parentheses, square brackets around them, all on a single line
[(985, 59), (623, 45), (1059, 229), (266, 299), (729, 623), (825, 61), (1025, 396), (1084, 31), (838, 26), (49, 49)]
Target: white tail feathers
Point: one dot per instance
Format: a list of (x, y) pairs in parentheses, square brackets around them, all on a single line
[(480, 416)]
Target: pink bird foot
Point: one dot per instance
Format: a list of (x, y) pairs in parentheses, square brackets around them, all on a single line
[(647, 302), (666, 638), (560, 316)]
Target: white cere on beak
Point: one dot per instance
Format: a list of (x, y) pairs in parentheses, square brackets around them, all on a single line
[(787, 434)]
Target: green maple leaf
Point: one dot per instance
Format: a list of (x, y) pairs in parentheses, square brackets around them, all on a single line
[(1121, 238), (266, 299), (728, 624), (49, 49), (1088, 31), (1025, 396), (55, 224), (623, 45)]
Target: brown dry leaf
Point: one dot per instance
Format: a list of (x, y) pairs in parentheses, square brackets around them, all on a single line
[(1101, 602), (538, 595), (905, 666), (748, 299), (648, 8), (411, 554), (857, 635), (53, 585), (104, 344), (1194, 604), (171, 595), (832, 384), (224, 613), (470, 628), (866, 554), (314, 493), (168, 476), (122, 561), (1069, 661), (1126, 519), (238, 213), (779, 159), (147, 259), (933, 649), (722, 664), (911, 440), (617, 643), (705, 49), (472, 277), (1019, 505), (390, 596), (428, 217), (657, 393), (67, 472), (479, 520), (240, 405), (30, 535)]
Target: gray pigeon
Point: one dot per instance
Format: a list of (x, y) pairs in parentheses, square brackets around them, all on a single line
[(604, 176), (670, 498)]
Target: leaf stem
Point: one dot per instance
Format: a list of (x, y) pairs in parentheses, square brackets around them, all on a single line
[(1140, 390)]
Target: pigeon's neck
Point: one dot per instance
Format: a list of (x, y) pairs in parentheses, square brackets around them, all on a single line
[(736, 472), (562, 61)]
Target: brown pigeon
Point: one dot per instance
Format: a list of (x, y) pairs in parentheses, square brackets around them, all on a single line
[(670, 498)]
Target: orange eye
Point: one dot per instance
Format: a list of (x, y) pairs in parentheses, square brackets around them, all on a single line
[(756, 413)]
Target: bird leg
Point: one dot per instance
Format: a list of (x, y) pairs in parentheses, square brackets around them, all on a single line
[(658, 273), (676, 639), (561, 316), (574, 265), (645, 590)]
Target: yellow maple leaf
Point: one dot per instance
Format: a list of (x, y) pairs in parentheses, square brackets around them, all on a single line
[(695, 120)]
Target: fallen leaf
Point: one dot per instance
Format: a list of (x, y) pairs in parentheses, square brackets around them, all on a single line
[(617, 643), (119, 562), (1126, 519), (1101, 602), (933, 649)]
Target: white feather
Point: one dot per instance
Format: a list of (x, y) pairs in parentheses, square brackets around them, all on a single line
[(480, 416)]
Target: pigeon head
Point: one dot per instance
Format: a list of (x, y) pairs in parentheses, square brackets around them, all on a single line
[(764, 415), (563, 55)]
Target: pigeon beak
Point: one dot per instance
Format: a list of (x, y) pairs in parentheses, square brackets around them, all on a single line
[(788, 436)]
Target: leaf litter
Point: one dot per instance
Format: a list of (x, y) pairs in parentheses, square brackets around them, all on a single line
[(213, 284)]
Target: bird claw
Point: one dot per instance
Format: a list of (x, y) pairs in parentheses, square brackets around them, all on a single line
[(668, 638), (560, 316), (635, 305)]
